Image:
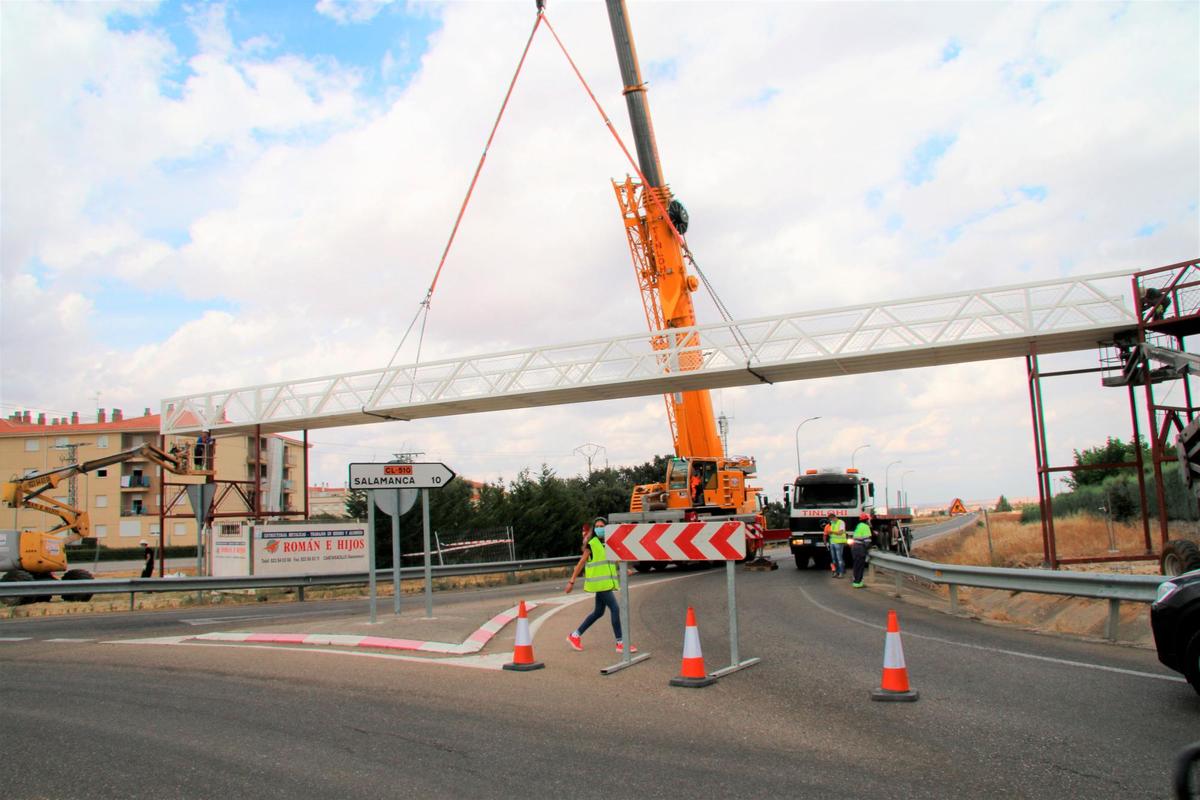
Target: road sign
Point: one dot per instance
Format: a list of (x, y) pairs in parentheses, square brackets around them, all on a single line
[(429, 475), (677, 541)]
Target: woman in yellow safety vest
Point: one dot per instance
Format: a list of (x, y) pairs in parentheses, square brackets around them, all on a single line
[(600, 578)]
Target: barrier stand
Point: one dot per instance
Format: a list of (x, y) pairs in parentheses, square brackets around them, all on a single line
[(734, 663), (627, 657)]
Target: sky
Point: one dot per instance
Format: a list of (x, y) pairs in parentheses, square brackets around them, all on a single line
[(197, 196)]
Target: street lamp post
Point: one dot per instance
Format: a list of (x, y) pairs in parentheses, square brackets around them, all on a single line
[(887, 498), (903, 493), (798, 427), (852, 455)]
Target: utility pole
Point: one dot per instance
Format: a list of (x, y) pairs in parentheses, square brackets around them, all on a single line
[(589, 450)]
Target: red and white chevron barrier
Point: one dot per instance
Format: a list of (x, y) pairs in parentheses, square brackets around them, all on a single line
[(676, 541)]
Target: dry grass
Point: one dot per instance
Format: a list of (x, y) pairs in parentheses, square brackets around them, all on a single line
[(1017, 545)]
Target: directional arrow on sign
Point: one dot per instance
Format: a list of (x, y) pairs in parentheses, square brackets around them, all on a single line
[(677, 541), (415, 475)]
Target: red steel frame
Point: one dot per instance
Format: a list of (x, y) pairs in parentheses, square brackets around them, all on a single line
[(1181, 284), (246, 490)]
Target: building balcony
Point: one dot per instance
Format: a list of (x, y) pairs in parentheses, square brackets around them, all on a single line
[(135, 482)]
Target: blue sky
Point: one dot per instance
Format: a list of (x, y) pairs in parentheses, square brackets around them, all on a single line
[(287, 26)]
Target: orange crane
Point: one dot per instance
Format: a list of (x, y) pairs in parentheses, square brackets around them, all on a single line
[(701, 479)]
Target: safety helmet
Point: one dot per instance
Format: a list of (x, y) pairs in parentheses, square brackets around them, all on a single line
[(864, 516)]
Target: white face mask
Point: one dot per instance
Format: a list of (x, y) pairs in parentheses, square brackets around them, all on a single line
[(599, 531)]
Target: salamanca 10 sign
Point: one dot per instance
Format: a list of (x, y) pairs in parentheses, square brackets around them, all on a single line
[(429, 475)]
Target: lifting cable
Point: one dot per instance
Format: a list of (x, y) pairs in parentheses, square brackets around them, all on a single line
[(423, 309)]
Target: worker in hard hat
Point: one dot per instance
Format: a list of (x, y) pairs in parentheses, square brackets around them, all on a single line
[(835, 535), (860, 542)]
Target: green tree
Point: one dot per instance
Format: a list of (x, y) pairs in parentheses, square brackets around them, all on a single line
[(1003, 505), (1113, 451)]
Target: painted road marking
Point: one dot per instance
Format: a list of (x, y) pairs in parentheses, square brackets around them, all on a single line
[(15, 638), (233, 619), (69, 640), (1001, 650), (489, 661)]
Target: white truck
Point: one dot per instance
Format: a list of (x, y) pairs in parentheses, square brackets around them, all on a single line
[(847, 494)]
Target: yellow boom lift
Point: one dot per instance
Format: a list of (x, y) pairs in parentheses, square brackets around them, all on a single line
[(37, 555)]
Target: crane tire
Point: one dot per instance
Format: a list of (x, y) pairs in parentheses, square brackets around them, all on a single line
[(1191, 662), (77, 575), (1179, 556), (16, 575)]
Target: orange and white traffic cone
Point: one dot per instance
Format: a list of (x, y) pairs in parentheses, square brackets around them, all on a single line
[(692, 675), (523, 649), (895, 673)]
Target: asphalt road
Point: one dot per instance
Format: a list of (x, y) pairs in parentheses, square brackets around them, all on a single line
[(1003, 713)]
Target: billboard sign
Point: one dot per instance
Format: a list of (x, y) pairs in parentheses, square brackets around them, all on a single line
[(310, 549)]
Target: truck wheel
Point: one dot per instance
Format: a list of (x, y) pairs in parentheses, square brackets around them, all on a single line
[(801, 561), (17, 575), (1191, 662), (822, 560), (641, 566), (1179, 556), (77, 575)]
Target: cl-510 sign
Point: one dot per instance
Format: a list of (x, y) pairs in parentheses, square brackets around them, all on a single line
[(428, 475)]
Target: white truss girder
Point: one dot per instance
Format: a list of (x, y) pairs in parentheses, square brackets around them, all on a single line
[(1059, 316)]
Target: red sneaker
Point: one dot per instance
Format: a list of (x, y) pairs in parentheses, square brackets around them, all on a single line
[(621, 647), (574, 641)]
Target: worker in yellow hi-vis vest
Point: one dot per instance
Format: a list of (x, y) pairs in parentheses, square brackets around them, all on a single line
[(600, 578), (836, 536)]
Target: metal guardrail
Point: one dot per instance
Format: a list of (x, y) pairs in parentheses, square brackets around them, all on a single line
[(192, 584), (1094, 585)]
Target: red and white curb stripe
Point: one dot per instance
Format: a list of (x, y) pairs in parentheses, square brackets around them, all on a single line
[(472, 644)]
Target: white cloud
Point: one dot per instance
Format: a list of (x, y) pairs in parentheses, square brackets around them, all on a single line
[(312, 217)]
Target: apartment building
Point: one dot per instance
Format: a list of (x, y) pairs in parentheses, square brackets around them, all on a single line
[(124, 500), (329, 501)]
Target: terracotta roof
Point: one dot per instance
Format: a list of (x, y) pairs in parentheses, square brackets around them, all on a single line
[(147, 424), (150, 423)]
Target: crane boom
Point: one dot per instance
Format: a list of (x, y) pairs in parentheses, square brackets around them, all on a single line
[(653, 220), (701, 479)]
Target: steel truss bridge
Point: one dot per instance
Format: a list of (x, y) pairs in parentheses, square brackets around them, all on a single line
[(1043, 317)]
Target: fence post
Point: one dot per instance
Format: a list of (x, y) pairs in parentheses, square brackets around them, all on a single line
[(1114, 619), (300, 593), (131, 601), (953, 598), (899, 582)]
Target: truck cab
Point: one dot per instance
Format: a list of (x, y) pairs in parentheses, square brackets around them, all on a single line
[(811, 498)]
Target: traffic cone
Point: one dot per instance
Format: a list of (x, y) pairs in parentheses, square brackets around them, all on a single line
[(895, 673), (692, 674), (523, 649)]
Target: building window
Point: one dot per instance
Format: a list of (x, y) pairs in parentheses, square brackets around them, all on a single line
[(32, 445), (180, 528), (60, 441), (101, 501), (102, 442), (101, 473), (100, 531), (131, 527), (154, 529)]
